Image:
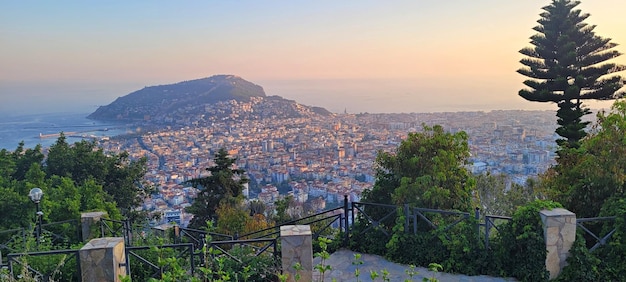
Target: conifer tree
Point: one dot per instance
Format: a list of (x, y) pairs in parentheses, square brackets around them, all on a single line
[(568, 64), (224, 185)]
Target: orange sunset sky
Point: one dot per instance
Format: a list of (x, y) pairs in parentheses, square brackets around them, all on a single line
[(362, 56)]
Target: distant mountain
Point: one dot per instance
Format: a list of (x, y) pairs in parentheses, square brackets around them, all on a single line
[(200, 96)]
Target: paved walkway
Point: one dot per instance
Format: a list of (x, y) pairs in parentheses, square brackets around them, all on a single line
[(343, 270)]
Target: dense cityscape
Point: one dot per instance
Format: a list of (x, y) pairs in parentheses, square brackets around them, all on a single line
[(319, 159)]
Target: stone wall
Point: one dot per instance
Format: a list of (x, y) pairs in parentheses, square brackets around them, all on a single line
[(103, 259), (297, 247), (559, 229), (87, 221)]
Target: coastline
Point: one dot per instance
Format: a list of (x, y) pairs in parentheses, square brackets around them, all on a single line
[(45, 129)]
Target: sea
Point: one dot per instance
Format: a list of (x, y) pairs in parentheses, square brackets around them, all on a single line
[(44, 129)]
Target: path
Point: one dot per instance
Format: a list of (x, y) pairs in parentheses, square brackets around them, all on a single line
[(343, 270)]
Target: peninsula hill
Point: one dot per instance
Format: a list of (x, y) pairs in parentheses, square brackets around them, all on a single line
[(199, 97)]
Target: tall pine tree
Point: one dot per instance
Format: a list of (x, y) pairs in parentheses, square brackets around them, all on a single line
[(223, 186), (568, 64)]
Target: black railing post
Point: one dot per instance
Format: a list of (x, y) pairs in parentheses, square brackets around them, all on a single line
[(127, 253), (24, 237), (487, 229), (79, 268), (477, 217), (277, 256), (345, 218), (352, 211), (126, 232), (407, 214), (191, 261)]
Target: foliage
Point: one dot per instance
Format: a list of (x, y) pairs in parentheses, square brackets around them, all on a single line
[(567, 64), (498, 196), (120, 178), (613, 255), (236, 220), (169, 260), (458, 248), (366, 238), (587, 177), (282, 206), (605, 263), (581, 264), (224, 185), (75, 178), (322, 267), (48, 267), (524, 235), (250, 267), (427, 170)]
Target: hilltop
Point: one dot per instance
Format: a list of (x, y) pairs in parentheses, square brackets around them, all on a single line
[(201, 97)]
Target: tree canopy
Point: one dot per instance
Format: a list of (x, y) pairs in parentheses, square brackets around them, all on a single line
[(426, 170), (595, 172), (224, 184), (121, 178), (75, 178), (567, 64)]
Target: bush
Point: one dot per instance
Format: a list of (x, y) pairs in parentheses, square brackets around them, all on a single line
[(372, 241), (581, 264), (613, 255), (521, 247)]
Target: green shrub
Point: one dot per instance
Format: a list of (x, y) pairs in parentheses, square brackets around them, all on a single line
[(613, 255), (522, 248), (372, 241), (581, 264)]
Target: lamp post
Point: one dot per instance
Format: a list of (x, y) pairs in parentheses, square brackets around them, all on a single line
[(35, 195)]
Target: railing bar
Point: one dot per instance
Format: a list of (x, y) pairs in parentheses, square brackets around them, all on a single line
[(595, 219), (143, 260), (260, 251), (300, 220), (226, 253), (498, 217), (374, 204), (588, 231), (432, 225), (326, 226), (456, 222), (440, 211)]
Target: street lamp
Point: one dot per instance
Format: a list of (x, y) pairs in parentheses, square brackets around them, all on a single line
[(35, 195)]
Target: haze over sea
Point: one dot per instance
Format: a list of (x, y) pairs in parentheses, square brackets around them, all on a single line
[(75, 126)]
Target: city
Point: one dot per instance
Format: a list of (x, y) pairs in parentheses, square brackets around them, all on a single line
[(319, 159)]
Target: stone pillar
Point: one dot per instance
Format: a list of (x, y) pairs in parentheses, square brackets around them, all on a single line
[(103, 259), (559, 230), (87, 220), (297, 247)]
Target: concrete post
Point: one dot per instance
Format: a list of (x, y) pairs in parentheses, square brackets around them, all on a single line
[(87, 220), (559, 230), (103, 260), (297, 247)]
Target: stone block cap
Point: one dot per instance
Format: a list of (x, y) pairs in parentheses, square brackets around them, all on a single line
[(557, 212), (92, 214), (295, 230), (103, 243)]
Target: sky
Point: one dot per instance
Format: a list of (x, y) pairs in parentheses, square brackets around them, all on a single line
[(355, 56)]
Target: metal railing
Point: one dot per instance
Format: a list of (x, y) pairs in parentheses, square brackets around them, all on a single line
[(46, 268), (155, 269), (10, 238), (196, 236), (326, 218), (491, 223), (376, 216), (600, 240), (260, 245)]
